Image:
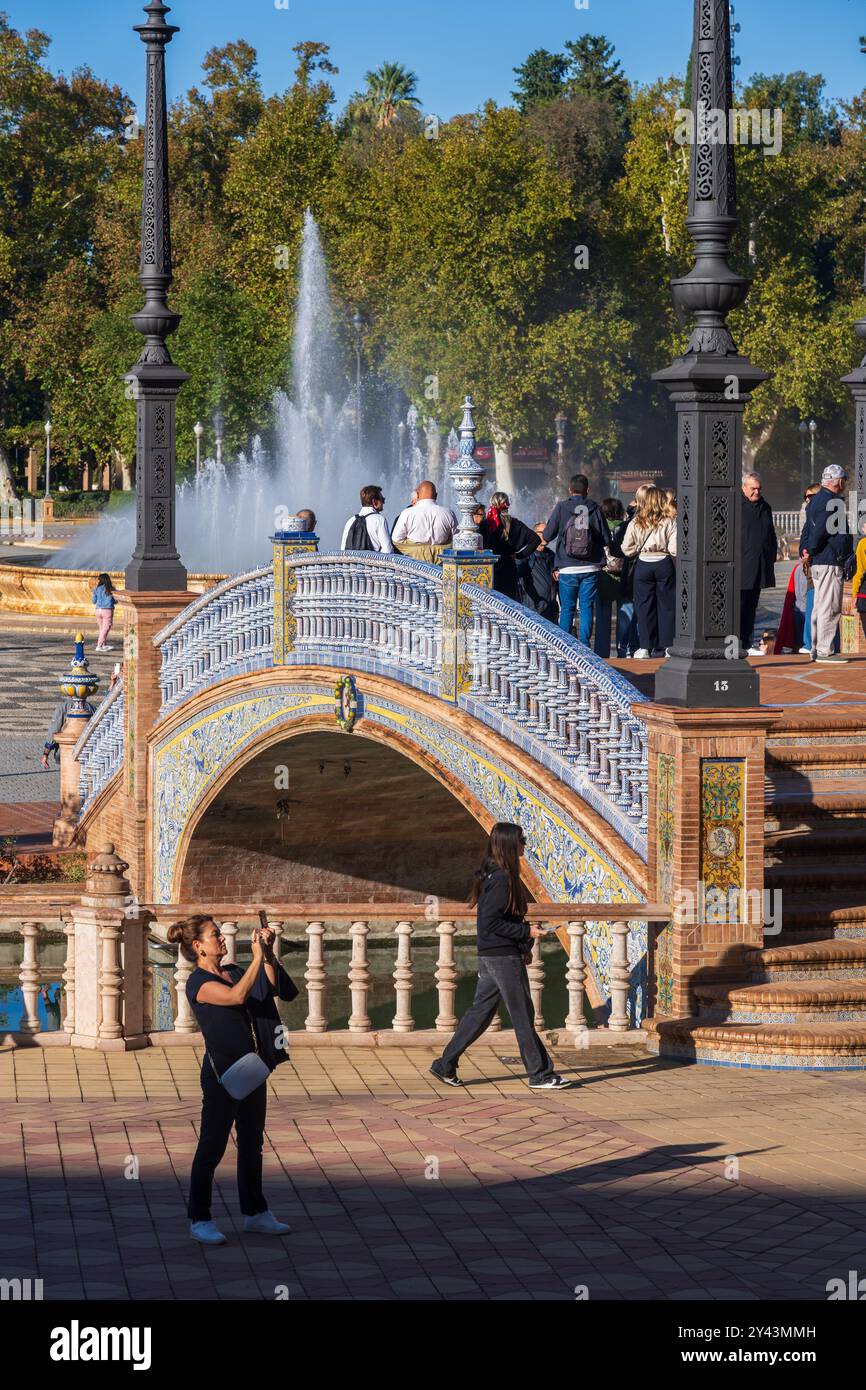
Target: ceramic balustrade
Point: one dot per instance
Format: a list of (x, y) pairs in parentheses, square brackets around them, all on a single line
[(227, 631), (544, 690), (99, 750)]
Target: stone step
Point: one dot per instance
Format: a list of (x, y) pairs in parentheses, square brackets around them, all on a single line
[(811, 799), (807, 960), (807, 933), (819, 725), (816, 755), (780, 1046), (786, 1001), (822, 875), (811, 837), (802, 910)]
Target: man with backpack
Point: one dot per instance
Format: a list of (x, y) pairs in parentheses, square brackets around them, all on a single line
[(368, 529), (580, 530)]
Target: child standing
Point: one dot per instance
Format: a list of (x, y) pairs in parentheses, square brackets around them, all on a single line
[(103, 597)]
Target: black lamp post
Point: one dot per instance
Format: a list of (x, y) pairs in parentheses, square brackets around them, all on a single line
[(560, 425), (856, 383), (710, 386), (155, 565)]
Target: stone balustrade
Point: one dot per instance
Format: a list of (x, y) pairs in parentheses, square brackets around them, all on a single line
[(102, 935), (222, 634), (99, 750), (381, 612), (546, 692)]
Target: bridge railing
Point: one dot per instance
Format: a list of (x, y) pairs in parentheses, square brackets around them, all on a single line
[(538, 685), (45, 916), (224, 633), (99, 750), (383, 611)]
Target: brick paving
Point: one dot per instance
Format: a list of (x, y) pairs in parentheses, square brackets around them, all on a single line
[(625, 1184)]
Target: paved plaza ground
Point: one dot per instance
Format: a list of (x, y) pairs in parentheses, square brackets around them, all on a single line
[(626, 1186)]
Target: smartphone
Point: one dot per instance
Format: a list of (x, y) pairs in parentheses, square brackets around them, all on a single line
[(263, 920)]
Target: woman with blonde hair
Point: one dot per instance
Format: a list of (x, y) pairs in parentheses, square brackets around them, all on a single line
[(651, 541)]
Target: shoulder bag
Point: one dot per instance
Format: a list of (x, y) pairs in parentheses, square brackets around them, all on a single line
[(246, 1074)]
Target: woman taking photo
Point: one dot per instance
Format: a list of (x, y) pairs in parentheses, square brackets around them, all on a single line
[(651, 541), (236, 1013), (504, 949)]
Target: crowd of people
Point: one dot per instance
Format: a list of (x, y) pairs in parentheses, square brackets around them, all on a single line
[(592, 557)]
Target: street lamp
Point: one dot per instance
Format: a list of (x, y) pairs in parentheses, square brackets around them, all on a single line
[(804, 430), (219, 426), (561, 425), (358, 325), (47, 459), (813, 430), (198, 431)]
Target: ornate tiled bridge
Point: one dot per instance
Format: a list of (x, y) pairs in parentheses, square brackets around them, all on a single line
[(519, 721)]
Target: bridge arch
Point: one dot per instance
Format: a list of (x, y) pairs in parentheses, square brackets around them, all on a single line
[(572, 854)]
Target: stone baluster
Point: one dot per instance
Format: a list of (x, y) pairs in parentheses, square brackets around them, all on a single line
[(535, 971), (446, 978), (540, 726), (512, 681), (28, 977), (359, 978), (562, 710), (593, 750), (619, 978), (530, 679), (110, 981), (522, 676), (279, 927), (602, 740), (184, 1019), (551, 700), (230, 932), (576, 978), (573, 716), (614, 748), (403, 1020), (637, 755), (69, 976), (485, 639), (316, 1021)]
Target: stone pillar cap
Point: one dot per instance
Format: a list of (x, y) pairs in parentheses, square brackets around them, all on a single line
[(106, 874)]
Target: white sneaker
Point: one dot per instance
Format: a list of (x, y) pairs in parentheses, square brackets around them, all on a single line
[(206, 1233), (756, 651), (642, 655), (265, 1224), (805, 651)]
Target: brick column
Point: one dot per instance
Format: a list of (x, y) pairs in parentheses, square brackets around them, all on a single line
[(706, 845), (146, 614), (70, 773)]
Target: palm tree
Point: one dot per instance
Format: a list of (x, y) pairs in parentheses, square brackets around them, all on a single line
[(390, 93)]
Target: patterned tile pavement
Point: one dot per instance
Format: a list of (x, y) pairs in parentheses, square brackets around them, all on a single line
[(626, 1185)]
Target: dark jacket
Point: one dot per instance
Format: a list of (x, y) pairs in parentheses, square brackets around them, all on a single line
[(519, 544), (228, 1029), (500, 933), (626, 576), (537, 584), (759, 545), (599, 532), (826, 535)]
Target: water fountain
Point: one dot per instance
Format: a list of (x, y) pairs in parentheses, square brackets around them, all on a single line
[(227, 513)]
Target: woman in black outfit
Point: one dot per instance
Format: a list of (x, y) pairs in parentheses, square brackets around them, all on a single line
[(504, 950), (237, 1015), (512, 540)]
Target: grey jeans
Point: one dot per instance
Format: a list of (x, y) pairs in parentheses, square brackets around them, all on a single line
[(501, 978), (827, 606)]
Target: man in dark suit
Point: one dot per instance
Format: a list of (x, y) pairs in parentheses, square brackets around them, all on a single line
[(760, 548)]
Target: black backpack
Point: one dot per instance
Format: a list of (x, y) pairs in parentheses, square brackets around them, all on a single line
[(359, 537), (578, 540)]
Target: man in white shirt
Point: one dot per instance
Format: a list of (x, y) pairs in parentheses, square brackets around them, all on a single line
[(425, 529), (378, 537)]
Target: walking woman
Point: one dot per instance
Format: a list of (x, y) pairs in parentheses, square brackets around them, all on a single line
[(651, 541), (238, 1018), (511, 540), (504, 948), (103, 597)]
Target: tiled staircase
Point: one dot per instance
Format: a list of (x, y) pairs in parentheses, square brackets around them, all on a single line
[(801, 1001)]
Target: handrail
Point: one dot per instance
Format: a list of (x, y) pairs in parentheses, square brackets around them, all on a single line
[(204, 599), (99, 750), (97, 718), (531, 679), (385, 911)]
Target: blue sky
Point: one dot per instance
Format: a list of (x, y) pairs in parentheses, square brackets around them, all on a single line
[(462, 50)]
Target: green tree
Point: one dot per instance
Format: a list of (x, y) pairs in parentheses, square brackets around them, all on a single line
[(594, 70), (540, 79)]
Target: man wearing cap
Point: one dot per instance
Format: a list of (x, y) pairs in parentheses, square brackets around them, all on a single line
[(826, 543)]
